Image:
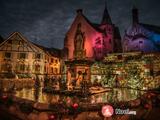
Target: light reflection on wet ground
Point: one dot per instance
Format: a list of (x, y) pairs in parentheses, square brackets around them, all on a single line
[(117, 95)]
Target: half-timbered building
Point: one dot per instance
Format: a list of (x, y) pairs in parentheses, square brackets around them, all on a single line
[(21, 58)]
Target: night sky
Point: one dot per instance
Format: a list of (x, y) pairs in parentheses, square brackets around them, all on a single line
[(46, 21)]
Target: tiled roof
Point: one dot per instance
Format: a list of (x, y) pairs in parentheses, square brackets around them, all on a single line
[(95, 26), (52, 51), (153, 28)]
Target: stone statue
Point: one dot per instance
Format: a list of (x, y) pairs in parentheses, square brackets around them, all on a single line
[(79, 38)]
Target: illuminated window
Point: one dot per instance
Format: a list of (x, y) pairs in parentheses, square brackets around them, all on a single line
[(37, 68), (55, 70), (38, 56), (22, 56), (5, 67)]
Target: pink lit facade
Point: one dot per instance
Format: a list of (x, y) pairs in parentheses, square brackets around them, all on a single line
[(85, 43), (98, 39)]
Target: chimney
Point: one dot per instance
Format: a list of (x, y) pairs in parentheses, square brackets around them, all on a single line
[(135, 18), (79, 11)]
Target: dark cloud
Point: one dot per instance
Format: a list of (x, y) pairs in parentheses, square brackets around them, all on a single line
[(47, 21)]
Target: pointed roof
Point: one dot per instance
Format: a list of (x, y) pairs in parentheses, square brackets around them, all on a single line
[(135, 13), (134, 3), (51, 51), (106, 19), (81, 15), (16, 42)]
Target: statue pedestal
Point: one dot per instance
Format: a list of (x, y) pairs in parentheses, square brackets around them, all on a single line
[(79, 54), (76, 69)]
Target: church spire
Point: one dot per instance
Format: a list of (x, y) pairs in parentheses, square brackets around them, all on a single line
[(135, 17), (106, 19)]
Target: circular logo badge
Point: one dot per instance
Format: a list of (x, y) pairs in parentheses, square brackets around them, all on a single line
[(107, 111)]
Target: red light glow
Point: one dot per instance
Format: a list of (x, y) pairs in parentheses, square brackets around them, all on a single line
[(52, 117), (75, 106)]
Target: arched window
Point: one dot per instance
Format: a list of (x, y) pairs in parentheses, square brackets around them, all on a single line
[(55, 70)]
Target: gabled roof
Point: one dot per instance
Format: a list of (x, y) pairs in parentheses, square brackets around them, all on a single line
[(55, 52), (153, 28), (16, 36), (93, 25), (81, 15), (52, 51)]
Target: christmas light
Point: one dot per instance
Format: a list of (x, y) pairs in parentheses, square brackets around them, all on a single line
[(4, 97), (147, 106), (52, 117), (75, 105)]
